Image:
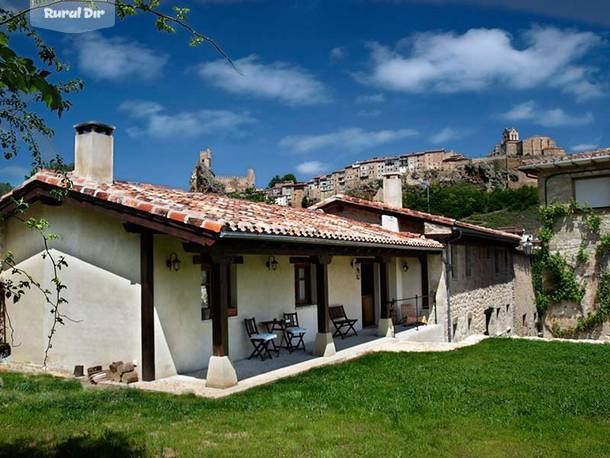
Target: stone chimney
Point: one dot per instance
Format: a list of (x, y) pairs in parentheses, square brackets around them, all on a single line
[(93, 151), (392, 189)]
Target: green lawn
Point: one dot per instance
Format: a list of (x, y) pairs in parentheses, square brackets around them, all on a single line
[(499, 398)]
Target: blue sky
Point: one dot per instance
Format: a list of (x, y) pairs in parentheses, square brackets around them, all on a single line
[(324, 83)]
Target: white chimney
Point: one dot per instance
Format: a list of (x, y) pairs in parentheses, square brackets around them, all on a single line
[(93, 151), (392, 189)]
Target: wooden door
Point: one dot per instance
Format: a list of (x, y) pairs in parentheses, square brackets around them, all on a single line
[(368, 294)]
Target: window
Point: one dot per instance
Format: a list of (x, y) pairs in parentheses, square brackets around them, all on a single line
[(206, 291), (594, 192), (302, 284)]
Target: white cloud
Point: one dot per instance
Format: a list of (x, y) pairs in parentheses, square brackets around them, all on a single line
[(553, 117), (140, 108), (338, 53), (117, 58), (312, 167), (370, 113), (370, 98), (351, 139), (281, 81), (159, 124), (448, 62), (585, 147), (444, 135)]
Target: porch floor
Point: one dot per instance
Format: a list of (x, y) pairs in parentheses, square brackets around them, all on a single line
[(247, 368), (256, 373)]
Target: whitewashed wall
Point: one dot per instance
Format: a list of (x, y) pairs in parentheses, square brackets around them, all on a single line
[(104, 295), (103, 292)]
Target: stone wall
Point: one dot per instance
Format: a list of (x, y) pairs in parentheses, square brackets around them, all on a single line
[(490, 292), (569, 234)]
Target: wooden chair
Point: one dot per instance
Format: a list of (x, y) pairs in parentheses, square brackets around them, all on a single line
[(260, 341), (342, 323), (408, 315), (294, 331)]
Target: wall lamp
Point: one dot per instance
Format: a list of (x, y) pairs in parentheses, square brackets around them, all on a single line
[(405, 266), (272, 263), (173, 262)]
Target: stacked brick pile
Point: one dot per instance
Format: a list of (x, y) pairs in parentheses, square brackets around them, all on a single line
[(118, 371)]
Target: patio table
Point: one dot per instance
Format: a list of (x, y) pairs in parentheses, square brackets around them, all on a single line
[(279, 325)]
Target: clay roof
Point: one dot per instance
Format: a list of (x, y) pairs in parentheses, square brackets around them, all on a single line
[(428, 217), (588, 158), (222, 215)]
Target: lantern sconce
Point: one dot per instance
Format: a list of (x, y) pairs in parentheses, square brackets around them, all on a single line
[(272, 263), (405, 266), (173, 262)]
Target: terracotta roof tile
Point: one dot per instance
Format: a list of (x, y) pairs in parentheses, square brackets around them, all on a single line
[(218, 213), (438, 219)]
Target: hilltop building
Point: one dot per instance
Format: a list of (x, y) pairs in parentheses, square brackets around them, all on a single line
[(230, 183), (538, 145)]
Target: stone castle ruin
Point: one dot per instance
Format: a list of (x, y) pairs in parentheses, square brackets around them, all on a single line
[(204, 180)]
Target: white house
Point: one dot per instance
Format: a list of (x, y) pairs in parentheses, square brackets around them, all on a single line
[(166, 277)]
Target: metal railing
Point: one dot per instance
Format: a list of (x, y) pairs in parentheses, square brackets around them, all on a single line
[(397, 309)]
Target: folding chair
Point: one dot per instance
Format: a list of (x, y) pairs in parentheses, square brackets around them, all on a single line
[(294, 331), (260, 341), (342, 323)]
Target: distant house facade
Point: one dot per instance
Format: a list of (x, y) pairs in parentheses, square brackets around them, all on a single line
[(287, 194), (584, 179)]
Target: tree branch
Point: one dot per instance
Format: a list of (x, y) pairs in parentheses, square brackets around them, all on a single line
[(198, 36)]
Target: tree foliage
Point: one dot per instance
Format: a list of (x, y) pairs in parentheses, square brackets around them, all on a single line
[(252, 195), (463, 200), (280, 179)]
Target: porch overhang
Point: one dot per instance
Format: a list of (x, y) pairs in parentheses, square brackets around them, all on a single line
[(252, 242)]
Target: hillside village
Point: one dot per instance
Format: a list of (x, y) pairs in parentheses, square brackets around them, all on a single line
[(500, 168)]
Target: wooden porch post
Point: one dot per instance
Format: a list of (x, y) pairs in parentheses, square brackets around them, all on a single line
[(322, 292), (221, 373), (383, 288), (220, 309), (324, 344), (385, 327), (423, 261), (147, 301)]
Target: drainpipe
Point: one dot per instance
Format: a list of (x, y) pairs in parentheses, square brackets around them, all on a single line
[(448, 264)]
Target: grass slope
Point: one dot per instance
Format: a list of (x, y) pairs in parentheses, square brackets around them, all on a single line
[(499, 398), (527, 219)]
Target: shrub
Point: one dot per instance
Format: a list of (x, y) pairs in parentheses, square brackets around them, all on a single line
[(603, 247)]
